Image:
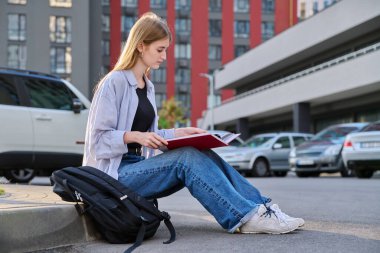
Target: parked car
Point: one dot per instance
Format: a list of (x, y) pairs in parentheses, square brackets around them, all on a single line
[(264, 153), (361, 151), (323, 152), (43, 121)]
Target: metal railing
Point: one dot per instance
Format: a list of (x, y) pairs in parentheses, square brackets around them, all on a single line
[(306, 72)]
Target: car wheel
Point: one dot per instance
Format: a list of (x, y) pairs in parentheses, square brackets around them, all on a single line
[(280, 173), (344, 172), (19, 175), (364, 173), (260, 168)]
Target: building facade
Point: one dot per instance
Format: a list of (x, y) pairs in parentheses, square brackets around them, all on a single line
[(80, 40), (323, 71), (49, 36)]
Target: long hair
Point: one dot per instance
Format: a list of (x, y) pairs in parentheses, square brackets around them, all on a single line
[(147, 29)]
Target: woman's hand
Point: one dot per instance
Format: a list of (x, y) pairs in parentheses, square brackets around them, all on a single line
[(146, 139), (179, 132)]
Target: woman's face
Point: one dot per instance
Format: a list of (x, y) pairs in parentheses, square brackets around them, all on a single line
[(155, 53)]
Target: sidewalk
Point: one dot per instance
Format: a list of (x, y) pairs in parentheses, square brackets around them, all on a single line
[(34, 218)]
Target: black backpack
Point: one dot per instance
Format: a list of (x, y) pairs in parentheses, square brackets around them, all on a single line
[(121, 215)]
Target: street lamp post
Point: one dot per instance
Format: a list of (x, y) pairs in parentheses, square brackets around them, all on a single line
[(211, 92), (211, 79)]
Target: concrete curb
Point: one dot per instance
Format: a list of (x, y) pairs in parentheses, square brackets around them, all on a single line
[(30, 229)]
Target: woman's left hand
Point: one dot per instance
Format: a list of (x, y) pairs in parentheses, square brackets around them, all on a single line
[(184, 131)]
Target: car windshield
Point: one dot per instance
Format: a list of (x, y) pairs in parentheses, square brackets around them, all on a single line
[(335, 134), (258, 141), (372, 127)]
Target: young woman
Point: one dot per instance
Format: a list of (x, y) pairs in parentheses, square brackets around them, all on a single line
[(123, 122)]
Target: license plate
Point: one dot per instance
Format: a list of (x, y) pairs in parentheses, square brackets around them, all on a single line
[(373, 144), (305, 162)]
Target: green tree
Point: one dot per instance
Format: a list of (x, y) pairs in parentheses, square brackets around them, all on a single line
[(171, 113)]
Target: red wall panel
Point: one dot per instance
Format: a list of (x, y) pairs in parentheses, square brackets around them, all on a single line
[(199, 58)]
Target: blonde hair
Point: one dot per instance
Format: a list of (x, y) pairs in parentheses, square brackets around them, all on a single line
[(147, 29)]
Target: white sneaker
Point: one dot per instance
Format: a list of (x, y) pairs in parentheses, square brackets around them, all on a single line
[(278, 212), (266, 221)]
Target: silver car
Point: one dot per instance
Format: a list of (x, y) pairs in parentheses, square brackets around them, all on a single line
[(323, 152), (264, 153), (361, 151)]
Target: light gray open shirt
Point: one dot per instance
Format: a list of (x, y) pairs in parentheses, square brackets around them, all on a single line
[(111, 114)]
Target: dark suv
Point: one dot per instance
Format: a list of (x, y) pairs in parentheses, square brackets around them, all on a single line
[(43, 120)]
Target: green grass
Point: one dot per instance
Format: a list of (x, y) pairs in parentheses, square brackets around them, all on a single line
[(2, 191)]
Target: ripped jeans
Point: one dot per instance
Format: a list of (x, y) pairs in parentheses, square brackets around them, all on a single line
[(228, 196)]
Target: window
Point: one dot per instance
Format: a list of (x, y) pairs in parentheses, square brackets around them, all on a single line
[(182, 51), (215, 29), (105, 47), (184, 98), (267, 30), (158, 75), (158, 4), (298, 140), (17, 1), (241, 29), (160, 98), (60, 29), (284, 141), (105, 23), (267, 6), (129, 3), (61, 3), (215, 5), (105, 2), (182, 76), (17, 56), (183, 26), (48, 94), (8, 93), (182, 4), (17, 27), (241, 49), (215, 52), (241, 6), (60, 60), (127, 23)]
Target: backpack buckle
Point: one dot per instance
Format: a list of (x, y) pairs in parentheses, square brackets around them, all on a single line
[(165, 215)]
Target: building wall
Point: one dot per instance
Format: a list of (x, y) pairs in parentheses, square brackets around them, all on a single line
[(37, 37), (328, 63)]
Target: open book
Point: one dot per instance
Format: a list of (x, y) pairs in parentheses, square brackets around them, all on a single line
[(202, 141)]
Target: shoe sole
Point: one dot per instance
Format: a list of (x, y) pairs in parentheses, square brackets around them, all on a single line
[(272, 233)]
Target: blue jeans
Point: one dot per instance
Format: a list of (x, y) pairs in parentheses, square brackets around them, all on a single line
[(228, 196)]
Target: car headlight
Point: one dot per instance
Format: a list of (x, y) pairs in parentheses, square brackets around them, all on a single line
[(333, 150), (292, 153)]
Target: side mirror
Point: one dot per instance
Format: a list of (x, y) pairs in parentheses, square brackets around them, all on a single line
[(277, 146), (76, 105)]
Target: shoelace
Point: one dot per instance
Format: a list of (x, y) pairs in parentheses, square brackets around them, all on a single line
[(279, 215)]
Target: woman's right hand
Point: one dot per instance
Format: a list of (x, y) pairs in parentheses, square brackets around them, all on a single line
[(146, 139)]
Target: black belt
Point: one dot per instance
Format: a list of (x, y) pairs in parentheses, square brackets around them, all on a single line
[(134, 151)]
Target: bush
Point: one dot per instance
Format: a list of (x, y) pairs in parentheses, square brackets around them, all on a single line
[(2, 191)]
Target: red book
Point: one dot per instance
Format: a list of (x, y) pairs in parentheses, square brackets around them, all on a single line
[(202, 141)]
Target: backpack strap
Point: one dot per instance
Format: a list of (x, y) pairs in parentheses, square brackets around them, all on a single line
[(139, 238), (125, 192)]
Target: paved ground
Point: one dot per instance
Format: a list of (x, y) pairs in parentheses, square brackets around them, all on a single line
[(342, 215)]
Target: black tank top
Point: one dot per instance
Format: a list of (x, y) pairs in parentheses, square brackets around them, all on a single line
[(144, 115)]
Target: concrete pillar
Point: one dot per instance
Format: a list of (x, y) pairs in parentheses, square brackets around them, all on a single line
[(301, 117), (243, 128)]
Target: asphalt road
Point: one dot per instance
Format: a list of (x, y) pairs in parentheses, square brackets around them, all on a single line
[(341, 214)]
